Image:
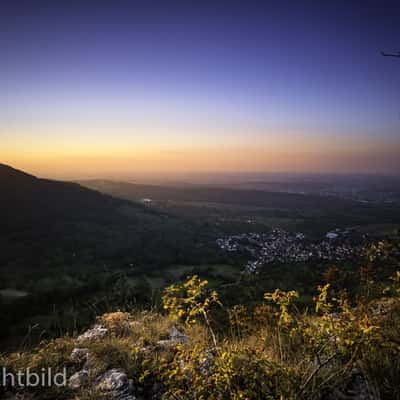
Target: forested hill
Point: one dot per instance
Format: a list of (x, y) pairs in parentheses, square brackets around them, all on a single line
[(41, 217), (26, 199), (64, 246)]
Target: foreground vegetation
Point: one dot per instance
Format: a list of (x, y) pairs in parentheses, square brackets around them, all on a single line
[(343, 346)]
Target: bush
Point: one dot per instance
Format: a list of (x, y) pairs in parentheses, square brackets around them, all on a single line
[(271, 350)]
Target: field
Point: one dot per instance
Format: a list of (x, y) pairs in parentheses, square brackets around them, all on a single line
[(235, 210)]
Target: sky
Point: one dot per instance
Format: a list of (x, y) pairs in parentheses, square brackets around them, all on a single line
[(108, 88)]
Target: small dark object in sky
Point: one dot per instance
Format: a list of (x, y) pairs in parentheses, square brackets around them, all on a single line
[(390, 54)]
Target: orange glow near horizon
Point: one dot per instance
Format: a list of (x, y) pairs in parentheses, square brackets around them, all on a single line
[(64, 165), (106, 150)]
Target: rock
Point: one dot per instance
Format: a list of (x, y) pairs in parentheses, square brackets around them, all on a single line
[(79, 355), (78, 379), (96, 333), (115, 383), (113, 379), (175, 337)]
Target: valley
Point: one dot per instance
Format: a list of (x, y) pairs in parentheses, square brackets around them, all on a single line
[(70, 253)]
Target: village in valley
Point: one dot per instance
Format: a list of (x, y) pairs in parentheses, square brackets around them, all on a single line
[(280, 246)]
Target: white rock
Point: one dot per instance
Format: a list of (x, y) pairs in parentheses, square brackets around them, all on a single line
[(115, 383), (78, 379), (79, 355), (96, 333), (177, 336)]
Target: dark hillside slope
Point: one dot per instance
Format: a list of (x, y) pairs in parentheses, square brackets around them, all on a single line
[(67, 251), (41, 217), (26, 199)]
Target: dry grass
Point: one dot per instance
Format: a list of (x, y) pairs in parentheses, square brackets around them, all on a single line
[(258, 357)]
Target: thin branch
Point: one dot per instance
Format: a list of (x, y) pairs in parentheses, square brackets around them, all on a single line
[(315, 372), (397, 55)]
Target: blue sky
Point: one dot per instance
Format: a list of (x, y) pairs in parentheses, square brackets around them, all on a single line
[(148, 77)]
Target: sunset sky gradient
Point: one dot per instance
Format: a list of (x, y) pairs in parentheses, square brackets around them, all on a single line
[(106, 88)]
